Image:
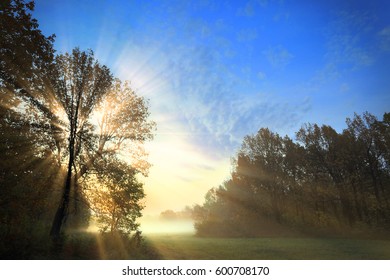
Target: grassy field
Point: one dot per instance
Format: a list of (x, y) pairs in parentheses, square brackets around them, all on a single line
[(187, 246)]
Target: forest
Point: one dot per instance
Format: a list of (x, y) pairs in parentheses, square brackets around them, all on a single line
[(324, 182)]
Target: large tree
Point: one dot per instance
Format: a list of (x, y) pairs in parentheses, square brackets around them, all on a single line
[(103, 118), (79, 83)]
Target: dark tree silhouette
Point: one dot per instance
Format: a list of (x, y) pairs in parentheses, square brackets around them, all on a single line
[(331, 181), (79, 84)]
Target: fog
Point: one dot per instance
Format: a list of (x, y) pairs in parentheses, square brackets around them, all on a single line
[(156, 225)]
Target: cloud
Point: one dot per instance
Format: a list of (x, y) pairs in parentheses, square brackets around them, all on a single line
[(261, 75), (198, 91), (282, 16), (251, 6), (198, 95), (279, 57), (344, 88), (229, 120), (349, 37), (247, 35), (263, 3), (384, 37), (248, 10)]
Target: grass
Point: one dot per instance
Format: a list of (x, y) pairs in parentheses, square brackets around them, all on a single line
[(189, 247)]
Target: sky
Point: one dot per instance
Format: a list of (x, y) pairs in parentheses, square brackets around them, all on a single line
[(215, 71)]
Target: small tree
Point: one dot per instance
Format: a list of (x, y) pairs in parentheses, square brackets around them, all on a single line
[(115, 196)]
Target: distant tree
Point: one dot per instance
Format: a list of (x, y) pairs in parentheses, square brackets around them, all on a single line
[(168, 215), (185, 214)]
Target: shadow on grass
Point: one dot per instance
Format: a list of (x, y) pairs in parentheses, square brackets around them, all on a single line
[(78, 246)]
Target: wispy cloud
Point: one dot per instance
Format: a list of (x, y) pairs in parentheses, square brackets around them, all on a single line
[(261, 75), (328, 73), (248, 10), (347, 40), (282, 16), (251, 7), (344, 88), (216, 111), (279, 57), (384, 37), (247, 35)]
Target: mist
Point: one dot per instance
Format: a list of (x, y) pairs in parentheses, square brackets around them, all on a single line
[(157, 225)]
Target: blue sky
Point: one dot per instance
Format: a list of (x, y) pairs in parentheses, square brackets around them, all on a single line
[(215, 71)]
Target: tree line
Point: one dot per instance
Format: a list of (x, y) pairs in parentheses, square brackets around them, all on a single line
[(71, 136), (324, 181)]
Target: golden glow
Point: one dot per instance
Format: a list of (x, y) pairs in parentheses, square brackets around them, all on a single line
[(97, 115), (61, 115), (180, 174)]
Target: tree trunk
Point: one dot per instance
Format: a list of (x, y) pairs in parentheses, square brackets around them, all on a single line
[(64, 203)]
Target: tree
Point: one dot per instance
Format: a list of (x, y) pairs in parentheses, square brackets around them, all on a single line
[(104, 117), (28, 175), (26, 58), (68, 116), (115, 196), (78, 83)]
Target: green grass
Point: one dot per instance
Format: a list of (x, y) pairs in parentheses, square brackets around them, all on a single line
[(187, 246)]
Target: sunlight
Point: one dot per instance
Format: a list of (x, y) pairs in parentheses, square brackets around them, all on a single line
[(97, 116), (180, 174), (101, 247), (146, 73), (62, 116)]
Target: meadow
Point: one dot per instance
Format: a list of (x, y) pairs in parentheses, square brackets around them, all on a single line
[(189, 247)]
